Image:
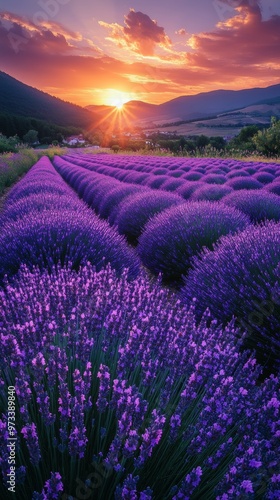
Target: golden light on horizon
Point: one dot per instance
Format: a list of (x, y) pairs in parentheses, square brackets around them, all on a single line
[(117, 98)]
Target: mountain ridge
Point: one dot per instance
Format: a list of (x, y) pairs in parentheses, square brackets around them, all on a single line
[(17, 98), (201, 105)]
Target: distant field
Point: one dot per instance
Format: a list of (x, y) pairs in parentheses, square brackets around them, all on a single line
[(226, 124)]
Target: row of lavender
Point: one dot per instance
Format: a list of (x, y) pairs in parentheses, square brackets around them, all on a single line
[(251, 188), (193, 178), (117, 385), (172, 234), (44, 223)]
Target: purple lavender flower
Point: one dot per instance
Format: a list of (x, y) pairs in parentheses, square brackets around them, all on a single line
[(30, 435), (104, 387)]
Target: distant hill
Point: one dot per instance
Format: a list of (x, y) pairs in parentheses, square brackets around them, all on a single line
[(198, 106), (19, 99)]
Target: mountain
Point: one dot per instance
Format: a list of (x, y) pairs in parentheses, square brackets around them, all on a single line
[(19, 99), (198, 106), (136, 110), (215, 102)]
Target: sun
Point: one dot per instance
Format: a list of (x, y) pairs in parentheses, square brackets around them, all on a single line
[(118, 104), (117, 99)]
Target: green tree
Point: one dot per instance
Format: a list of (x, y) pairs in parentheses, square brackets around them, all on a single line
[(31, 137), (244, 140), (202, 141), (218, 142), (268, 141), (115, 148)]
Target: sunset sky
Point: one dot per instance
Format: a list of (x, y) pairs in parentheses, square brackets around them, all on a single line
[(109, 52)]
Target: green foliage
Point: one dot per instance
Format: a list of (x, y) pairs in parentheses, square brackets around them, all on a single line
[(47, 131), (244, 140), (19, 99), (8, 144), (13, 165), (268, 141), (31, 137)]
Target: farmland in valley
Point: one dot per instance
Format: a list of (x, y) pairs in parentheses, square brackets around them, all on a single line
[(139, 313)]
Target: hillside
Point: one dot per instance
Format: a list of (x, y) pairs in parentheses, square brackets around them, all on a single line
[(215, 102), (194, 107), (19, 99)]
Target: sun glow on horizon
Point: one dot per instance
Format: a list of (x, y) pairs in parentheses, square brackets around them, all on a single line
[(117, 98)]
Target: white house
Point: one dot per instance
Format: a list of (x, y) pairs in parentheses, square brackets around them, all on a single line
[(73, 140)]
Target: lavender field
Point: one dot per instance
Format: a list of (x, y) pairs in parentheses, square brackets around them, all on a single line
[(140, 329)]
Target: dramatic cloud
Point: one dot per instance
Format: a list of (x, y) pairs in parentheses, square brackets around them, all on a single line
[(23, 35), (140, 34), (241, 52), (245, 41)]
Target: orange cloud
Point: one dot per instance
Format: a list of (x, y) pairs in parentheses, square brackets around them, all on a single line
[(245, 41), (140, 34), (47, 36), (240, 52)]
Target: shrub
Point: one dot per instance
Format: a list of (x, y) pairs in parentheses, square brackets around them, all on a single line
[(39, 203), (62, 237), (244, 183), (14, 165), (264, 177), (36, 187), (122, 384), (238, 279), (136, 210), (258, 205), (214, 179), (156, 182), (192, 176), (189, 188), (160, 171), (171, 239), (251, 170), (210, 192), (269, 169), (172, 184), (237, 173), (136, 177), (113, 198), (274, 187), (177, 173)]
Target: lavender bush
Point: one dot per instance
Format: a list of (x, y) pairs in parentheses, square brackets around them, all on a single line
[(258, 205), (210, 192), (244, 183), (240, 278), (120, 394), (54, 236), (264, 177), (214, 179), (40, 203), (172, 238), (172, 184), (274, 187), (109, 207), (61, 231), (189, 188), (135, 211)]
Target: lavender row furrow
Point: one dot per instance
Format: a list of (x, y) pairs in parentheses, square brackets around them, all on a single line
[(126, 205), (172, 241), (44, 223)]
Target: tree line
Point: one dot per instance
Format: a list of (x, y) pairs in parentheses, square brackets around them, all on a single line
[(13, 125)]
